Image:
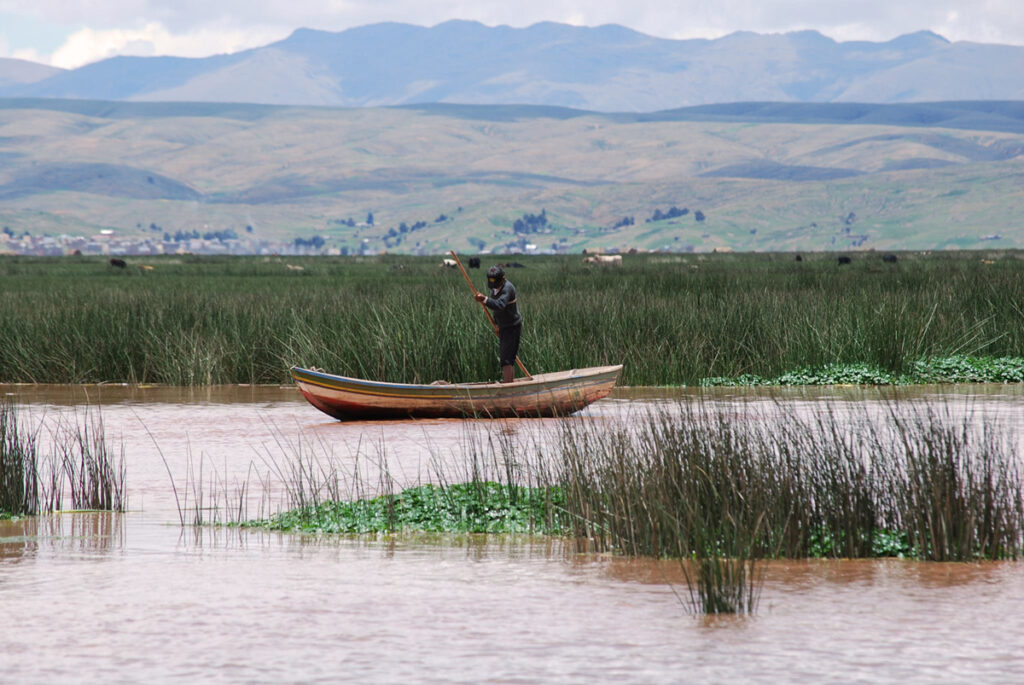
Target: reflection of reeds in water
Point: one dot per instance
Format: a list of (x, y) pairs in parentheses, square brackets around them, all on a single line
[(85, 532), (80, 465)]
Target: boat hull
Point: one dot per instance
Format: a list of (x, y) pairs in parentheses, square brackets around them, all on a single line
[(551, 394)]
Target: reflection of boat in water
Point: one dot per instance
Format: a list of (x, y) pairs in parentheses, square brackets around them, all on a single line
[(547, 394)]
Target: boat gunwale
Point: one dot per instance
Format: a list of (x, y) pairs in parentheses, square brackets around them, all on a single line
[(534, 384)]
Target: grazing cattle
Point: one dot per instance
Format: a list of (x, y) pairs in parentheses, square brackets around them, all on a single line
[(799, 258), (118, 263), (295, 267), (474, 262), (609, 259), (448, 264), (890, 258), (844, 260)]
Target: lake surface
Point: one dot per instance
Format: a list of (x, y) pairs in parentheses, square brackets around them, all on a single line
[(136, 597)]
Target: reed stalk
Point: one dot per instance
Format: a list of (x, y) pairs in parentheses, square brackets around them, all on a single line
[(19, 465), (80, 464)]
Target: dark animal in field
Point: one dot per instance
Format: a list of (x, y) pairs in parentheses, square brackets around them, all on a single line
[(891, 258), (474, 262), (118, 263), (844, 260), (799, 258)]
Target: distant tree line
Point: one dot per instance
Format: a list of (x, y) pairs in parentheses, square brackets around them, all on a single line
[(623, 222), (673, 213), (531, 223), (182, 236), (350, 222), (316, 242), (399, 234)]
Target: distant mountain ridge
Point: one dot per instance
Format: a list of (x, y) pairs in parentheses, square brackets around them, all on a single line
[(15, 72), (606, 68)]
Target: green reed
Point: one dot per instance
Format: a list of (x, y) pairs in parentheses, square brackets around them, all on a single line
[(19, 465), (671, 319), (702, 481), (720, 486), (79, 465), (93, 470)]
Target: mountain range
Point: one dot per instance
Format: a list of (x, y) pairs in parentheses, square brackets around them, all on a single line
[(606, 68)]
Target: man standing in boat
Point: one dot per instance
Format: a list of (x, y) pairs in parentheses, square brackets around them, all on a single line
[(502, 301)]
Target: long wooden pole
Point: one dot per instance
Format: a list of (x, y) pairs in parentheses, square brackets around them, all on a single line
[(486, 310)]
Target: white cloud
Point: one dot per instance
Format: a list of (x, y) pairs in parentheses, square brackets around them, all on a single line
[(30, 55), (89, 45)]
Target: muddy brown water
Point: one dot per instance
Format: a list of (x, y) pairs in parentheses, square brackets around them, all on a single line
[(135, 597)]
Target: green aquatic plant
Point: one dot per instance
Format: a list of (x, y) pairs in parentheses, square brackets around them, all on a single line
[(478, 507), (954, 369), (882, 543)]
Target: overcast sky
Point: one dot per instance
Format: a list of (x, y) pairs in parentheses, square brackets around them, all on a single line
[(70, 33)]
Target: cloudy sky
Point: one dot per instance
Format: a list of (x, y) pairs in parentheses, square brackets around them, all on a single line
[(70, 33)]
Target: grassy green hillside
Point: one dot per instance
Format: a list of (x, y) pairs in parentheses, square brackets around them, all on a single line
[(299, 172)]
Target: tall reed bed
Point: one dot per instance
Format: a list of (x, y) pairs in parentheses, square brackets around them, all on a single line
[(718, 485), (672, 319), (79, 468), (837, 483)]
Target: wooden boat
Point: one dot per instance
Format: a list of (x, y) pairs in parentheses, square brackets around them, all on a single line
[(546, 394)]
